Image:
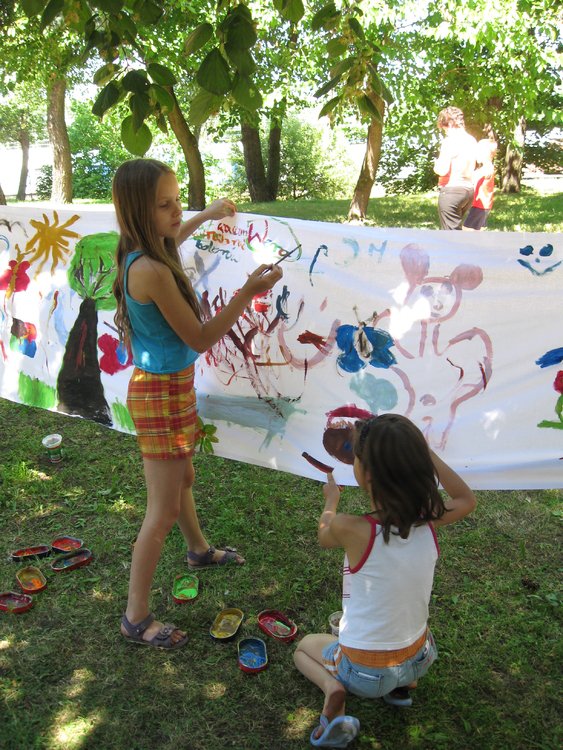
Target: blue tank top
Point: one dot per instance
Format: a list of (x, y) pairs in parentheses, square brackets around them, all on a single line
[(156, 347)]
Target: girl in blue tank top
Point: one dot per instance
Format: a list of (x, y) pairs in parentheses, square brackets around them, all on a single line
[(158, 313)]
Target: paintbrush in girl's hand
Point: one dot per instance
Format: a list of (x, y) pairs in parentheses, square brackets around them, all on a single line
[(279, 260)]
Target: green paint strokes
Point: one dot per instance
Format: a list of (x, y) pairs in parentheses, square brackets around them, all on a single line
[(34, 392), (122, 417), (559, 412)]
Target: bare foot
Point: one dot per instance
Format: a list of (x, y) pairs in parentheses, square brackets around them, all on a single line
[(334, 705)]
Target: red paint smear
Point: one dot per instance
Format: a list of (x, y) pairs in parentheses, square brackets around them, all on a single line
[(325, 468), (80, 351), (312, 338), (350, 411)]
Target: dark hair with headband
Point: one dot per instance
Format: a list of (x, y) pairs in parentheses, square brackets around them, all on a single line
[(400, 472)]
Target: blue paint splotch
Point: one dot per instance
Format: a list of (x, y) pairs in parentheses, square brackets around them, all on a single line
[(552, 357), (363, 345)]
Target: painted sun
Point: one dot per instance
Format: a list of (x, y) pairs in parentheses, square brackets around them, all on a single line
[(50, 241)]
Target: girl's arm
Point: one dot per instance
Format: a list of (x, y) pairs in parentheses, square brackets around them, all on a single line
[(340, 529), (217, 210), (327, 532), (160, 287), (461, 502)]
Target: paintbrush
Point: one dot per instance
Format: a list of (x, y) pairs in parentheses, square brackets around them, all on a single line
[(298, 247), (279, 260)]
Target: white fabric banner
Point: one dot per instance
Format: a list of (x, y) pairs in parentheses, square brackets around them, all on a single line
[(460, 331)]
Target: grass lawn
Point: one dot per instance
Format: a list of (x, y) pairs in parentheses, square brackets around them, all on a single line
[(528, 211), (68, 681)]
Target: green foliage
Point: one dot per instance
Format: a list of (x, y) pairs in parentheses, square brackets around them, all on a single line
[(92, 268), (44, 183), (207, 436), (314, 164), (96, 153), (406, 165)]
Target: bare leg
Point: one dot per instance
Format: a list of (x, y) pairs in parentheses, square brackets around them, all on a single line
[(188, 520), (309, 661), (164, 486)]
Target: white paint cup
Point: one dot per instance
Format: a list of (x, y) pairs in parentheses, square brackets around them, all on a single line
[(334, 622), (52, 444)]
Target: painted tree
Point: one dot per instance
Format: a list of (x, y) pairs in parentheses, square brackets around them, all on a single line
[(91, 273)]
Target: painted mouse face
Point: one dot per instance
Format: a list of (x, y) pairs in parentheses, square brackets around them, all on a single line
[(538, 263), (440, 297)]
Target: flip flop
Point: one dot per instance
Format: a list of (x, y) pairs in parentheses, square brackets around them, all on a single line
[(163, 639), (337, 733), (197, 561), (399, 697)]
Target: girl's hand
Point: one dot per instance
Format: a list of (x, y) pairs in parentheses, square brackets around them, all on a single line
[(220, 208), (262, 279), (331, 490)]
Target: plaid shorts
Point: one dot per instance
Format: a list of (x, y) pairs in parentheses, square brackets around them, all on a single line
[(163, 409)]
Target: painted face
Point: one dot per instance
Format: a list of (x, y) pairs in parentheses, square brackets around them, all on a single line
[(168, 209), (439, 298), (543, 261)]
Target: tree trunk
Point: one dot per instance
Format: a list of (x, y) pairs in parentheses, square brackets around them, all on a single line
[(274, 157), (512, 175), (79, 384), (254, 164), (61, 191), (359, 205), (24, 143), (2, 197), (190, 148)]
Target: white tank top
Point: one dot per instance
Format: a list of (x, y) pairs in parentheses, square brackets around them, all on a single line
[(385, 597)]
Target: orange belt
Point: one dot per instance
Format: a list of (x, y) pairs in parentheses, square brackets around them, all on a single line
[(383, 658)]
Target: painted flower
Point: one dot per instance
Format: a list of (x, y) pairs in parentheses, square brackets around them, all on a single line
[(15, 277), (363, 345), (115, 355), (558, 382)]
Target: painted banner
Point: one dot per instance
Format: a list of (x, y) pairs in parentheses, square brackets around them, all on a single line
[(460, 331)]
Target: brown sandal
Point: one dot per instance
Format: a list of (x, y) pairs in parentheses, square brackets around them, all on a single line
[(197, 560), (162, 639)]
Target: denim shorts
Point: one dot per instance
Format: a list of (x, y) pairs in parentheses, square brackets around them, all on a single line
[(374, 682)]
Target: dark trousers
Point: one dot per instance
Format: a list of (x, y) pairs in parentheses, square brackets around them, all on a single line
[(453, 202)]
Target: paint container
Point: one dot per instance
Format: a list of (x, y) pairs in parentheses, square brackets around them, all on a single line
[(334, 622), (53, 447)]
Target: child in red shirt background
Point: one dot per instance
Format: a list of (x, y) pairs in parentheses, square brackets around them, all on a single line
[(483, 197)]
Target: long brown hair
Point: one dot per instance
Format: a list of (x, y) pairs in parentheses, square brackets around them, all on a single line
[(403, 480), (134, 198)]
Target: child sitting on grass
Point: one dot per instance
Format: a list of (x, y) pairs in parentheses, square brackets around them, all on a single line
[(384, 645)]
